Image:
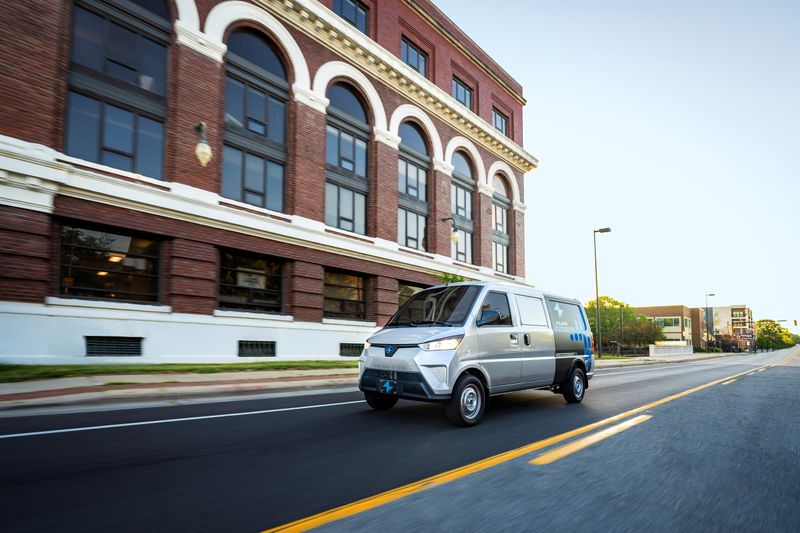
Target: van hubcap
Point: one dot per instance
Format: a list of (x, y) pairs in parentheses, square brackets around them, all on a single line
[(470, 402), (577, 385)]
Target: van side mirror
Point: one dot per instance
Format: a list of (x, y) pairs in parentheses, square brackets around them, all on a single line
[(488, 317)]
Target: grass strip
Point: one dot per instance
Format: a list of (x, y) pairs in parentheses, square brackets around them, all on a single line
[(15, 373)]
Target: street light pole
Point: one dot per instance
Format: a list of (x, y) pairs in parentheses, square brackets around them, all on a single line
[(621, 330), (597, 293), (706, 317)]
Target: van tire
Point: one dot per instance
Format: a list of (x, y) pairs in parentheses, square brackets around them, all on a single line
[(467, 403), (380, 402), (574, 389)]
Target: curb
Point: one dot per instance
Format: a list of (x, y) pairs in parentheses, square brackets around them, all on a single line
[(168, 394)]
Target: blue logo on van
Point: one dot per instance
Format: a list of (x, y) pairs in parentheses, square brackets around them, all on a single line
[(390, 349)]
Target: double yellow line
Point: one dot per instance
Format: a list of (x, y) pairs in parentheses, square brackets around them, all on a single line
[(350, 509)]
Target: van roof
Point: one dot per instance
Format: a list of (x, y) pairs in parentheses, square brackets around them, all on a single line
[(513, 288)]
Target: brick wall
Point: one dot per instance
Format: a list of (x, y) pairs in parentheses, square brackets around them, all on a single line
[(25, 255)]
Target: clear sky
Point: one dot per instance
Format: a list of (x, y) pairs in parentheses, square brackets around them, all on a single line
[(677, 124)]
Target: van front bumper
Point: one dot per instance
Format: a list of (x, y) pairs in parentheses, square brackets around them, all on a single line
[(410, 385)]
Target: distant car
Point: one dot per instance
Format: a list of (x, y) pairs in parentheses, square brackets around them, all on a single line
[(458, 344)]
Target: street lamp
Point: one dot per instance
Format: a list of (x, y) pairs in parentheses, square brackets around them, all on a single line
[(712, 318), (597, 293)]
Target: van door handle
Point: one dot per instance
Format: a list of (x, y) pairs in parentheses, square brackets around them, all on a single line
[(514, 339), (527, 338)]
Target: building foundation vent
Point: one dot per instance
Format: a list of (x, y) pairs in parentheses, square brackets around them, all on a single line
[(256, 348), (350, 349), (113, 346)]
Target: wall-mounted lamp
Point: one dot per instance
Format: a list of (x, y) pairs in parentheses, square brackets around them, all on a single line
[(454, 238), (203, 150)]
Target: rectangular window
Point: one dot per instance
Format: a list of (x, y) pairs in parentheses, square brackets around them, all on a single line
[(412, 179), (353, 12), (411, 229), (100, 264), (107, 134), (461, 201), (414, 57), (566, 316), (249, 282), (252, 179), (462, 250), (254, 112), (462, 93), (119, 52), (687, 323), (500, 257), (531, 311), (500, 121), (500, 222), (345, 209), (669, 322), (345, 152), (344, 296)]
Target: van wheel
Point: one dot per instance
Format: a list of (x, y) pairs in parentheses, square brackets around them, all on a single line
[(380, 402), (575, 387), (468, 402)]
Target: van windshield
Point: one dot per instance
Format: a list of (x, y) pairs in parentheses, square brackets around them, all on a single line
[(441, 306)]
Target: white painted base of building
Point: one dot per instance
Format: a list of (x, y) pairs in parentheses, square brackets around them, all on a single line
[(55, 333)]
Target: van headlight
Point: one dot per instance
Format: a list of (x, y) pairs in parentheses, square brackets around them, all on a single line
[(450, 343)]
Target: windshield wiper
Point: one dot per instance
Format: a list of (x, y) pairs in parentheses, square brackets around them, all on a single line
[(400, 324), (430, 322)]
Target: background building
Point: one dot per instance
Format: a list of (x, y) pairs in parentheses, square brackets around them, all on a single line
[(350, 140), (678, 322), (736, 321)]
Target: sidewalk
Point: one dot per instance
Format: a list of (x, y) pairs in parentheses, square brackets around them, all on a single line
[(163, 387)]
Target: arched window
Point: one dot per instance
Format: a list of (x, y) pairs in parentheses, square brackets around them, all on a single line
[(256, 91), (116, 106), (346, 138), (461, 189), (412, 182), (501, 235)]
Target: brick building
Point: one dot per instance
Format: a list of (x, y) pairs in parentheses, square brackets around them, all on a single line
[(678, 322), (359, 149)]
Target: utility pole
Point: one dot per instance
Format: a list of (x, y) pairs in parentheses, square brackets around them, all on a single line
[(621, 329)]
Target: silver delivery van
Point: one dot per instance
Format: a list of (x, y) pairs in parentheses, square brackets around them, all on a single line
[(458, 344)]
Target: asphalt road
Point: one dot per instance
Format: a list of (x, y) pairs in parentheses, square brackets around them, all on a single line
[(726, 457)]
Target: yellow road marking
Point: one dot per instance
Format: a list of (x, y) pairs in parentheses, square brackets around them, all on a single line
[(729, 382), (371, 502), (577, 445)]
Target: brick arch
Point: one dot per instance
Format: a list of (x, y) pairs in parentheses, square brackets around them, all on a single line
[(503, 168), (227, 13), (411, 111), (337, 70), (466, 145)]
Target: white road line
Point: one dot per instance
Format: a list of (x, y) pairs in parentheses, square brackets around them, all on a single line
[(172, 420)]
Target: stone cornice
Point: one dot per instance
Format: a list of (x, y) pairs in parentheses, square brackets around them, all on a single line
[(318, 22), (454, 40)]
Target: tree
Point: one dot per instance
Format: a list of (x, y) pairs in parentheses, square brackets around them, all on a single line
[(620, 324), (610, 320), (641, 332), (770, 335)]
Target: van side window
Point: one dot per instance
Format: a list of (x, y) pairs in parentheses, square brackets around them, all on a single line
[(531, 311), (498, 301), (566, 316)]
